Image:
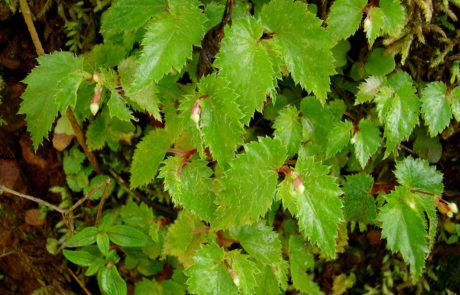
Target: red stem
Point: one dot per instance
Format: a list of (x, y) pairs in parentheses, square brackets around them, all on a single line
[(284, 169), (187, 157), (175, 151), (201, 230)]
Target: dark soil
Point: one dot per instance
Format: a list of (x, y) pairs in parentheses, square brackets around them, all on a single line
[(24, 261)]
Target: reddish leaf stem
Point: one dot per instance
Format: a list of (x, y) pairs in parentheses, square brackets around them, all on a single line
[(284, 169), (176, 151), (187, 157), (201, 230)]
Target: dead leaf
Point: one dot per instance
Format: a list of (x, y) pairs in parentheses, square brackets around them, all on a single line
[(61, 141), (28, 153), (33, 217)]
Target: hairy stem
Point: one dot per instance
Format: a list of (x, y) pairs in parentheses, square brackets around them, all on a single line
[(30, 26), (101, 203), (81, 140)]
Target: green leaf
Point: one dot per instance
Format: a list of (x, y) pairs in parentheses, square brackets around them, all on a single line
[(244, 62), (188, 124), (454, 97), (373, 23), (368, 89), (260, 241), (267, 282), (95, 181), (417, 174), (288, 129), (435, 107), (168, 41), (393, 13), (379, 63), (147, 98), (245, 270), (66, 94), (73, 160), (180, 235), (398, 107), (85, 237), (338, 138), (358, 203), (108, 130), (427, 147), (129, 15), (96, 134), (217, 107), (208, 275), (367, 141), (137, 215), (127, 236), (303, 43), (146, 287), (301, 260), (172, 182), (404, 227), (38, 103), (110, 281), (344, 18), (318, 207), (317, 122), (248, 187), (118, 108), (148, 155), (340, 52), (80, 257), (103, 243), (192, 189), (388, 18)]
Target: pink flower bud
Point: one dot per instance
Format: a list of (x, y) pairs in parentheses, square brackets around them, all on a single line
[(196, 112), (94, 107), (298, 183)]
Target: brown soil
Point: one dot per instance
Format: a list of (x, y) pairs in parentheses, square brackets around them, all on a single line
[(24, 261)]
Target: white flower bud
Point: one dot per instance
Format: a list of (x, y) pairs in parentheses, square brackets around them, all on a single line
[(94, 107), (453, 208)]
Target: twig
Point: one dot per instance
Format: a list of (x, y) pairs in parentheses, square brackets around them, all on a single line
[(144, 199), (79, 202), (101, 203), (87, 292), (81, 140), (408, 150), (31, 198), (30, 26), (6, 253)]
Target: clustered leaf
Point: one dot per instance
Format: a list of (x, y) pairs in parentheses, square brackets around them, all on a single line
[(226, 185)]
